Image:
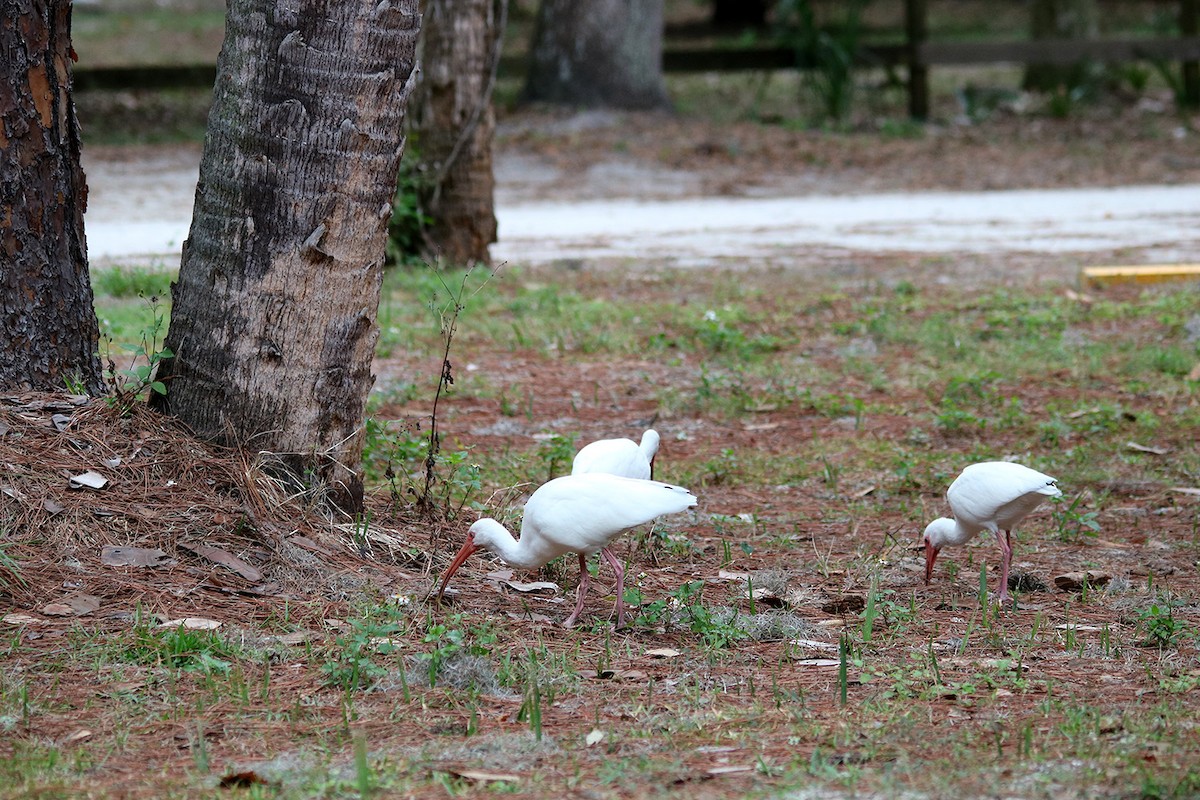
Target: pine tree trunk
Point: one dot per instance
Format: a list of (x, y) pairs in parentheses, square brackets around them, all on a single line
[(273, 324), (455, 124), (599, 54), (47, 321)]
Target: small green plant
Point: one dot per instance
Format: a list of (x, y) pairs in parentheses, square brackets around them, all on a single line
[(827, 50), (10, 569), (717, 629), (1162, 628), (1072, 522), (555, 453), (128, 386), (353, 668), (182, 648), (407, 225), (531, 705)]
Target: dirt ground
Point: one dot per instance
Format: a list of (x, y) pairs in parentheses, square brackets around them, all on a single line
[(757, 718)]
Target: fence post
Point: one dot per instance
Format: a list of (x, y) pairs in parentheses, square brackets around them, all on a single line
[(1191, 69), (916, 31)]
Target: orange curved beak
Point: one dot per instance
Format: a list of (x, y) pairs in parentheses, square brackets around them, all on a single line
[(464, 553), (931, 555)]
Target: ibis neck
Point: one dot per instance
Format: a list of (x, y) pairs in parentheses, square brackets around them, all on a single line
[(500, 542)]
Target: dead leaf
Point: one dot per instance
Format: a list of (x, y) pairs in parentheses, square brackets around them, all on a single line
[(818, 662), (732, 576), (595, 737), (716, 772), (115, 556), (76, 605), (225, 559), (863, 492), (77, 736), (88, 480), (663, 652), (52, 507), (191, 623), (112, 463), (61, 421), (483, 776), (500, 575), (1194, 375), (533, 586), (1186, 490), (762, 426), (1070, 627), (1141, 448), (1083, 412)]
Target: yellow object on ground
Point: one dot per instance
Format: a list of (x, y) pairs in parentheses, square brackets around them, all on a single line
[(1152, 273)]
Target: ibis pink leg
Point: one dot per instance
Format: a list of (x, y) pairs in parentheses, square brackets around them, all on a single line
[(618, 568), (1005, 542), (585, 580)]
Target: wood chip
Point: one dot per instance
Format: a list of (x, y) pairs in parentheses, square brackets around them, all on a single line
[(818, 662), (77, 736), (1076, 581), (595, 737), (1141, 448), (20, 619), (846, 604)]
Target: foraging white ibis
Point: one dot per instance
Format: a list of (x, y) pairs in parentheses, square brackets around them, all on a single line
[(992, 496), (619, 457), (575, 514)]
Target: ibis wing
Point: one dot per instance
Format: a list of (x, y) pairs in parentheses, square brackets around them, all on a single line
[(999, 492), (583, 513), (613, 457)]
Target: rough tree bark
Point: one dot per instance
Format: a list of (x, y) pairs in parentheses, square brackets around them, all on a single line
[(454, 124), (599, 54), (47, 322), (273, 324)]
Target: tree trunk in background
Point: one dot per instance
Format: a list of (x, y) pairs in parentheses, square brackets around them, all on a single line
[(739, 13), (47, 321), (1060, 19), (599, 54), (454, 124), (273, 325)]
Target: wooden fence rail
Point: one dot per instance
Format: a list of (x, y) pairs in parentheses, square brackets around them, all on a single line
[(918, 54)]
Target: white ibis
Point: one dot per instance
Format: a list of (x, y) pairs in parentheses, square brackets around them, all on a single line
[(992, 496), (619, 457), (575, 514)]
